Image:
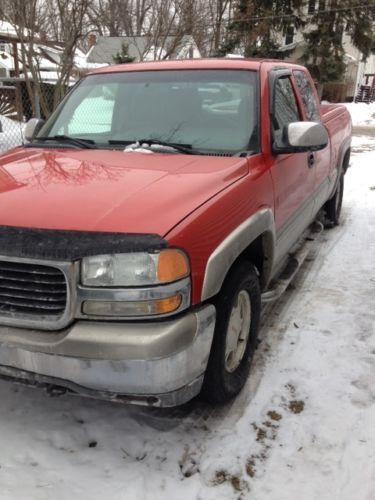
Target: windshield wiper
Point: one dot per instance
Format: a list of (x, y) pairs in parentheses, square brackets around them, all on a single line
[(184, 148), (82, 143)]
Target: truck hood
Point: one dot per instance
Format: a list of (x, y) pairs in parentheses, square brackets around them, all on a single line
[(101, 190)]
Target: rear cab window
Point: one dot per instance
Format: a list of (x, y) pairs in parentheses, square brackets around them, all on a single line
[(308, 96), (285, 107)]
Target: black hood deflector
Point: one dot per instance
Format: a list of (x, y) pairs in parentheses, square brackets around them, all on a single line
[(55, 244)]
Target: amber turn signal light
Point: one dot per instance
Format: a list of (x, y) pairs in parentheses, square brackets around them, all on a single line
[(172, 266)]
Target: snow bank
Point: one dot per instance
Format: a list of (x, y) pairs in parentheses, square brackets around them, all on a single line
[(362, 114)]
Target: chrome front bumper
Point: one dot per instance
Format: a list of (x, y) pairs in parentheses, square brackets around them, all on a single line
[(159, 363)]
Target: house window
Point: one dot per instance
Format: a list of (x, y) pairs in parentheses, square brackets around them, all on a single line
[(322, 5), (289, 35), (311, 8)]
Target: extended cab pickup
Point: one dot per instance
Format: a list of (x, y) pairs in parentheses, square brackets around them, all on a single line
[(144, 223)]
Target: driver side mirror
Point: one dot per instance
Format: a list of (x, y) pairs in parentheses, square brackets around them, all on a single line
[(32, 128), (299, 137)]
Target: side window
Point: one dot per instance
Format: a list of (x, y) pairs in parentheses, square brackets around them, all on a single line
[(308, 96), (285, 106)]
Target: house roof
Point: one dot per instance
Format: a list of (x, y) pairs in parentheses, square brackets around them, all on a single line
[(81, 62), (7, 31), (46, 59), (46, 54), (139, 47)]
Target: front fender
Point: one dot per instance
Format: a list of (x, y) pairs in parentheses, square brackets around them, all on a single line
[(223, 257)]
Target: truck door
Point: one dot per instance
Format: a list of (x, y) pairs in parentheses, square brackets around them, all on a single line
[(322, 158), (293, 173)]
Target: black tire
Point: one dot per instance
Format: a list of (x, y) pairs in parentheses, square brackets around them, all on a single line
[(221, 385), (333, 206)]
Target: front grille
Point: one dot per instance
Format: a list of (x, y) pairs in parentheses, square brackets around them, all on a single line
[(31, 290)]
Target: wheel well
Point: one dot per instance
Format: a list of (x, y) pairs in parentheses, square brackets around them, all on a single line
[(345, 161), (342, 168), (260, 253), (254, 253)]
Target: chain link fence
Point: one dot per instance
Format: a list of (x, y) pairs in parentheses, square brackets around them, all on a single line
[(20, 101)]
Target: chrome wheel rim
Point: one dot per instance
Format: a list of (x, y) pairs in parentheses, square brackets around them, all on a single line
[(238, 331)]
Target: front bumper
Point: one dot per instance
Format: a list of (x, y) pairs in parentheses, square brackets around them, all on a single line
[(160, 363)]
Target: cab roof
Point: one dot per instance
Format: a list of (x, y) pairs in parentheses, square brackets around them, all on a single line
[(214, 63)]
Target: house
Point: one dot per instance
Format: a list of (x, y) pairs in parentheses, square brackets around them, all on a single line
[(356, 69), (141, 48), (46, 57), (17, 97)]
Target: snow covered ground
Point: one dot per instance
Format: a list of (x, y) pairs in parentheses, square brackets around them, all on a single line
[(362, 114), (302, 429)]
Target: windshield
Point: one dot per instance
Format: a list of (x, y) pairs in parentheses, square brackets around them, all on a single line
[(206, 110)]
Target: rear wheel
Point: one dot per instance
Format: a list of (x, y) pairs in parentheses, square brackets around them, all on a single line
[(333, 206), (236, 332)]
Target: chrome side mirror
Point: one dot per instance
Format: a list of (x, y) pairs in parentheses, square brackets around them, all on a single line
[(32, 128), (307, 136), (299, 137)]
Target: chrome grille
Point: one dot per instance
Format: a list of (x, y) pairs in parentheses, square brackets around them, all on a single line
[(29, 289)]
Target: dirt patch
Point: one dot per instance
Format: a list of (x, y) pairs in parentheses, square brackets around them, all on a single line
[(220, 477), (291, 389), (296, 406), (238, 484), (250, 467), (261, 434), (265, 435), (274, 415), (269, 424), (188, 463)]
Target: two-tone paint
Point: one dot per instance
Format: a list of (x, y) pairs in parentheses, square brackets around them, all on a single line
[(214, 208)]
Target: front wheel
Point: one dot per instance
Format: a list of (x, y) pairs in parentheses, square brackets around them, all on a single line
[(333, 206), (237, 323)]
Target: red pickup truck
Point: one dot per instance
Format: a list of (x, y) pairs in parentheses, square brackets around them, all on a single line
[(143, 224)]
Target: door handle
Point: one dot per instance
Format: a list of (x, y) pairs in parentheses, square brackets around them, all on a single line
[(311, 160)]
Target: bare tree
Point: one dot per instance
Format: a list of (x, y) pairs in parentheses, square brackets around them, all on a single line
[(27, 18), (157, 20), (106, 16), (121, 17), (219, 13), (69, 27), (65, 21), (162, 23)]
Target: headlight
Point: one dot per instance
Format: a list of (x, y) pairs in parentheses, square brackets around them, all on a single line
[(134, 269)]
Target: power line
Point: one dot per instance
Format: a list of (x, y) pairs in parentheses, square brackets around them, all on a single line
[(306, 16)]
